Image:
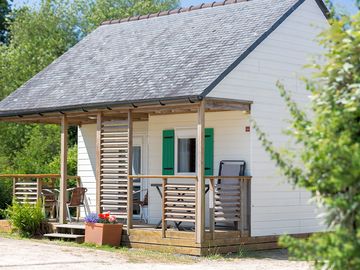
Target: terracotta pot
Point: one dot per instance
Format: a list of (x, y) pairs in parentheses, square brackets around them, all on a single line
[(103, 234)]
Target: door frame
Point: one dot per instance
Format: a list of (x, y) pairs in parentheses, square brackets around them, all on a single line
[(139, 139)]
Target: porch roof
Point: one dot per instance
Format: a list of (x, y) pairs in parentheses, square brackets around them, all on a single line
[(180, 56)]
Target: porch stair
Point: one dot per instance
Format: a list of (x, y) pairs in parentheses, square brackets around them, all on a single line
[(68, 232)]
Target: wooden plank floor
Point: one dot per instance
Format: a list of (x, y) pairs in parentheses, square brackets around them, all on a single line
[(145, 236), (183, 242)]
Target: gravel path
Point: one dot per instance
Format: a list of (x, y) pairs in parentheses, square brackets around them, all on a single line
[(26, 255)]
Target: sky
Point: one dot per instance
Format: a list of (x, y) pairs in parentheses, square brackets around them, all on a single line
[(348, 5)]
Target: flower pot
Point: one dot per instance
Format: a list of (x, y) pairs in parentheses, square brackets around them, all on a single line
[(103, 234)]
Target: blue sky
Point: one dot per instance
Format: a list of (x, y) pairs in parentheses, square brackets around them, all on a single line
[(345, 4)]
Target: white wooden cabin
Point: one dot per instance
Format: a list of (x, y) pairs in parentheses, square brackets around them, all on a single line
[(248, 46)]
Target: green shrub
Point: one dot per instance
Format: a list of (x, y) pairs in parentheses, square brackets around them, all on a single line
[(26, 218)]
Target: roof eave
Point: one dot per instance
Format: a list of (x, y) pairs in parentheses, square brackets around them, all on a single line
[(103, 105)]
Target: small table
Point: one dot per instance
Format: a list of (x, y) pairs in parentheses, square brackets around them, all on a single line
[(159, 189)]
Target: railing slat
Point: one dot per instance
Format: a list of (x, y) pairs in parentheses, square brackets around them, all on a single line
[(163, 220)]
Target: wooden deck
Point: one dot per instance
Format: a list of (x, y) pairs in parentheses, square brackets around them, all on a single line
[(184, 242)]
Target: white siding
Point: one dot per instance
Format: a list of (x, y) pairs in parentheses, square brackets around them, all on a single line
[(87, 157), (230, 142), (276, 207)]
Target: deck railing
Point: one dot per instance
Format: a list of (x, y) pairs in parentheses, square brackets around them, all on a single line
[(29, 187), (229, 201), (178, 199)]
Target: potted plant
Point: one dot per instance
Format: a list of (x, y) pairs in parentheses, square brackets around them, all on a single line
[(102, 229)]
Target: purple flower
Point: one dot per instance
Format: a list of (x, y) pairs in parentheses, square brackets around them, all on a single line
[(91, 218)]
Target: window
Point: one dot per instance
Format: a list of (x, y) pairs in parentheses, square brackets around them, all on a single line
[(185, 150), (186, 155), (179, 151)]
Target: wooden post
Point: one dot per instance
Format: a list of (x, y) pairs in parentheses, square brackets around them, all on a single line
[(63, 168), (200, 187), (164, 224), (129, 180), (212, 207), (98, 161), (14, 188), (38, 188), (243, 207)]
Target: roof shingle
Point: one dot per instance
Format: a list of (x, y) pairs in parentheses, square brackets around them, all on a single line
[(158, 58)]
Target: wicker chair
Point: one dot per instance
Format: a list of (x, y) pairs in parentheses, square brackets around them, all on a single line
[(50, 201), (76, 200)]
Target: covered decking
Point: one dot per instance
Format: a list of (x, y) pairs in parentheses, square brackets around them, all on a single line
[(184, 225)]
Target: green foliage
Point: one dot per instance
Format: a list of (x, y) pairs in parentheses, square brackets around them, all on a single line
[(330, 143), (54, 165), (5, 9), (96, 11), (6, 187), (42, 145), (25, 218)]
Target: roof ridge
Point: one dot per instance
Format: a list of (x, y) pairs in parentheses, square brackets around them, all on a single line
[(173, 11)]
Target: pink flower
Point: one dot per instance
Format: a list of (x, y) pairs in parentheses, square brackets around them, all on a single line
[(112, 219)]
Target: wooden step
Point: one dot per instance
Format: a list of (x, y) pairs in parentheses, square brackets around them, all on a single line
[(75, 237), (71, 226)]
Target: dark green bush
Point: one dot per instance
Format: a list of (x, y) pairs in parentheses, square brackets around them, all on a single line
[(5, 194)]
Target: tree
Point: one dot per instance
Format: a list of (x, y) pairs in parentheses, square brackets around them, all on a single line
[(330, 143), (97, 11), (39, 36), (4, 11)]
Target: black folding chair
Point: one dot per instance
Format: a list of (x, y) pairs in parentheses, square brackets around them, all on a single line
[(229, 168)]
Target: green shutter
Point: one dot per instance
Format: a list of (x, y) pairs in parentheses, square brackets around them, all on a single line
[(168, 152), (209, 151)]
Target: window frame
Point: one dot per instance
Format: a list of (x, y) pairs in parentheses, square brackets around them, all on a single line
[(184, 133)]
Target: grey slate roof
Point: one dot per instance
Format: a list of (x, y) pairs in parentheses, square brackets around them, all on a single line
[(165, 57)]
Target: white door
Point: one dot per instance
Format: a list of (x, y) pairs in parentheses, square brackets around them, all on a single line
[(140, 185)]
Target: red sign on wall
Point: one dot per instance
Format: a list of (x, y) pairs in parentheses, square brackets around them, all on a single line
[(247, 129)]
